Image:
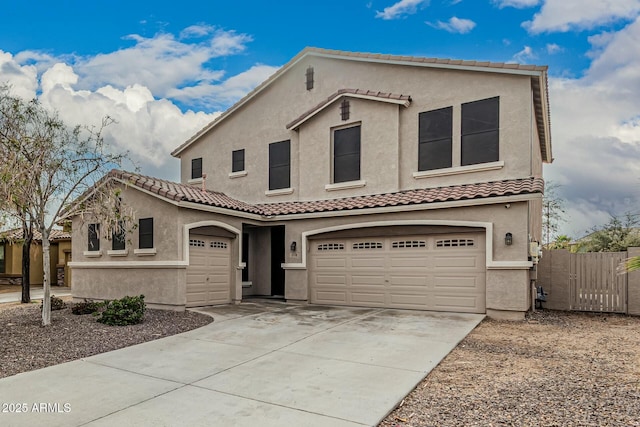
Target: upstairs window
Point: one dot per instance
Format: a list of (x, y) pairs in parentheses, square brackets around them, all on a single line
[(237, 161), (346, 154), (435, 139), (480, 136), (93, 243), (280, 165), (145, 233), (196, 168)]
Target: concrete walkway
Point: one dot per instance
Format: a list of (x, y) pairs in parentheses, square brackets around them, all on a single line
[(36, 293), (258, 364)]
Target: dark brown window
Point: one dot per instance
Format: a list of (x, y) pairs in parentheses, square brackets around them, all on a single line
[(196, 168), (93, 243), (279, 165), (480, 135), (237, 161), (118, 238), (309, 76), (346, 154), (434, 139), (145, 233)]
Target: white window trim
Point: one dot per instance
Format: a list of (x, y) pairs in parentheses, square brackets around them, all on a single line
[(118, 252), (459, 170), (145, 252), (92, 254), (345, 185), (195, 181), (238, 174), (279, 192)]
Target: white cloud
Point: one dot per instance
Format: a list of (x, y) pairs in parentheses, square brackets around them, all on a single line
[(226, 92), (553, 48), (525, 55), (195, 31), (401, 9), (596, 132), (454, 25), (161, 62), (565, 15), (22, 78), (518, 4), (138, 87)]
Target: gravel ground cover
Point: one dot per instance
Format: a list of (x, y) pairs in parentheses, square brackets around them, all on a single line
[(553, 369), (25, 345)]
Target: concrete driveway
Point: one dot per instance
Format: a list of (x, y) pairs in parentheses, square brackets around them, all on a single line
[(258, 364)]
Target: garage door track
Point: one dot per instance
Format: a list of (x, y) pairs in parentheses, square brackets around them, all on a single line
[(259, 363)]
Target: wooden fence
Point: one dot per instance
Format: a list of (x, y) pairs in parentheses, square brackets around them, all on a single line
[(589, 281)]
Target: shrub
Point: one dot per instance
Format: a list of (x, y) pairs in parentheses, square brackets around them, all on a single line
[(85, 307), (122, 312), (56, 303)]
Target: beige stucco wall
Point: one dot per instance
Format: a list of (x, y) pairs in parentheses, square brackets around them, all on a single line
[(262, 121), (161, 277), (507, 289)]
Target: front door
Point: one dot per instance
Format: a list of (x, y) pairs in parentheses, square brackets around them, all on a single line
[(277, 258)]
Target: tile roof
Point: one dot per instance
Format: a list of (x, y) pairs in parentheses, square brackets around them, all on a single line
[(186, 193), (371, 94), (16, 234)]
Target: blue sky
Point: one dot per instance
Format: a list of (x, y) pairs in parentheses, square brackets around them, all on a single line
[(165, 69)]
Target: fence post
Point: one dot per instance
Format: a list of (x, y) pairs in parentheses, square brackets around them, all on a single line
[(633, 286)]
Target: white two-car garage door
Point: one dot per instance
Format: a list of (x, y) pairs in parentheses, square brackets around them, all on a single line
[(209, 271), (429, 272)]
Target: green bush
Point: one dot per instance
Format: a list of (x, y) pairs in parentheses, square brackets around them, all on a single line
[(122, 312), (56, 303), (86, 307)]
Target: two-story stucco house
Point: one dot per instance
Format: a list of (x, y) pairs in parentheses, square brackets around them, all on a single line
[(345, 179)]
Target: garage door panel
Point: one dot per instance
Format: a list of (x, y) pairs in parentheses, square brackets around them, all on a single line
[(411, 301), (325, 279), (452, 261), (367, 298), (412, 281), (456, 282), (369, 263), (334, 297), (434, 272), (357, 280), (330, 262), (399, 260)]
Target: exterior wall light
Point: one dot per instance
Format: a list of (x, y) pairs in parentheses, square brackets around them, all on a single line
[(293, 246), (508, 239)]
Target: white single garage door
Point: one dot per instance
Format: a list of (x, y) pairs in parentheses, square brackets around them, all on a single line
[(429, 272), (209, 271)]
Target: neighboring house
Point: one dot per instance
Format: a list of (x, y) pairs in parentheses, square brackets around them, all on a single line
[(348, 179), (11, 243)]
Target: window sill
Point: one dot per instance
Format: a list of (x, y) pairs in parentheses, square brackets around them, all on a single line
[(145, 252), (459, 169), (238, 174), (345, 185), (195, 181), (120, 252), (279, 192), (92, 254)]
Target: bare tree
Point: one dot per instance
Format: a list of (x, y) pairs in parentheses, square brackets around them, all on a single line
[(552, 212), (45, 166)]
